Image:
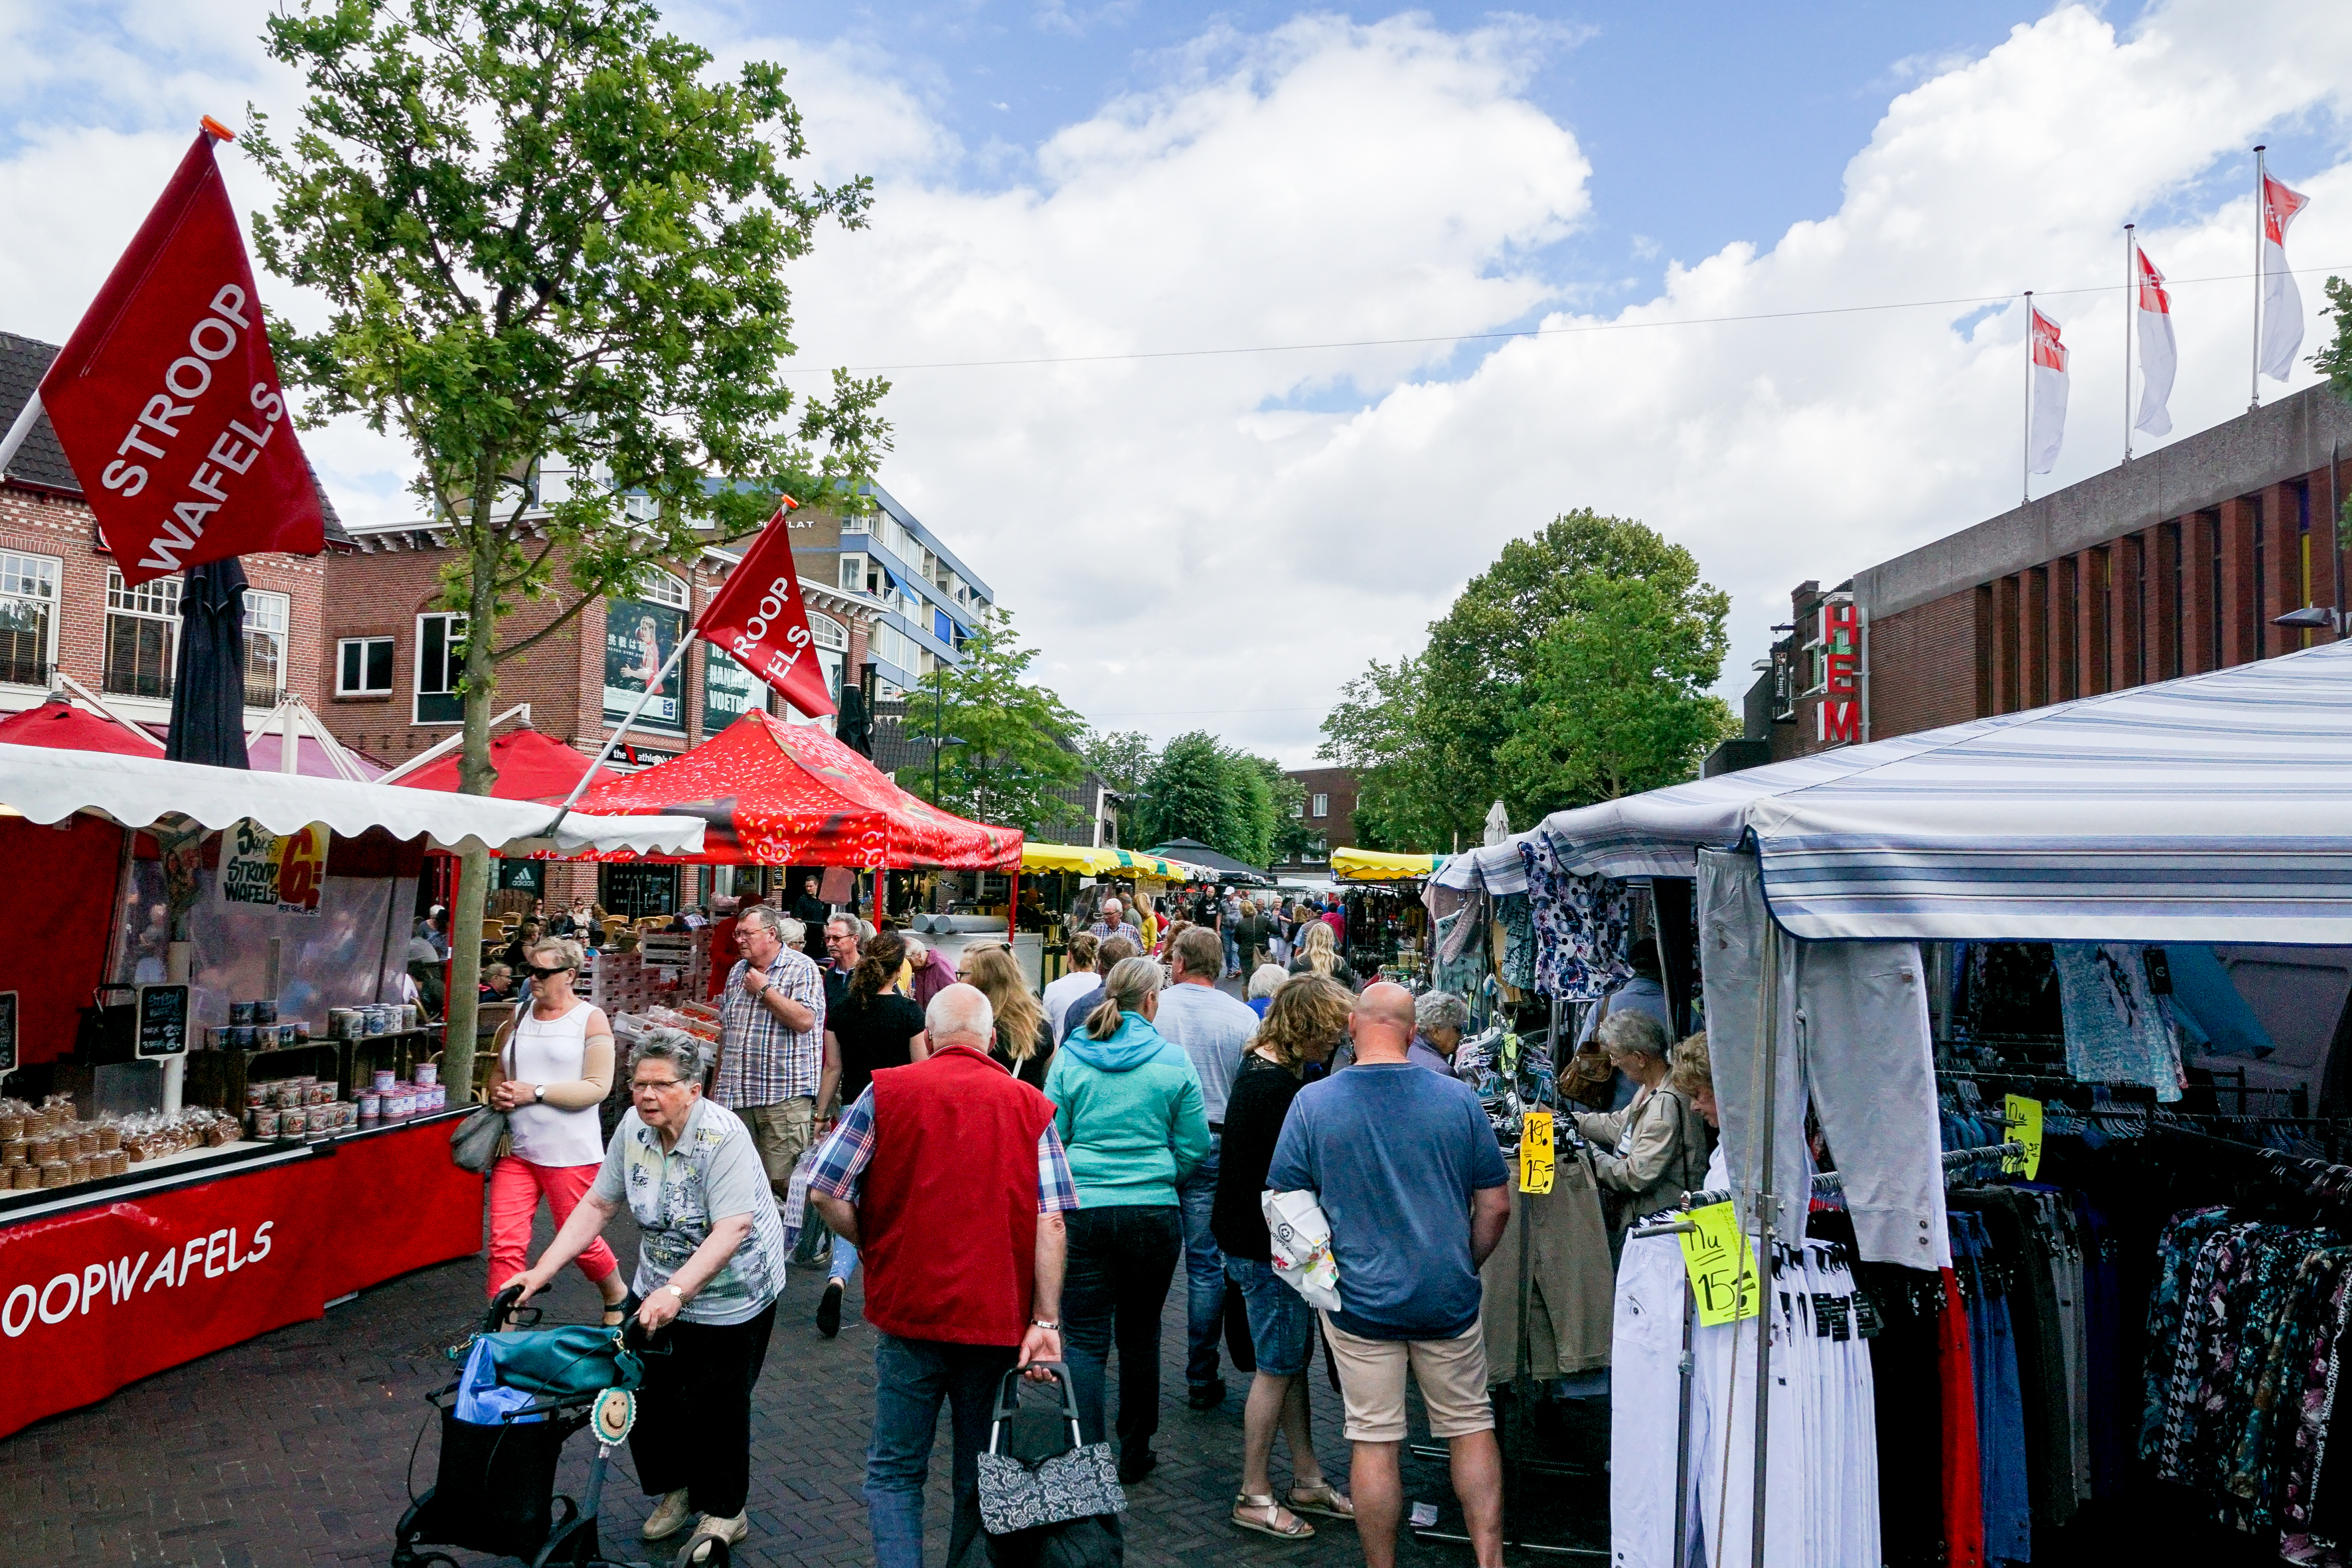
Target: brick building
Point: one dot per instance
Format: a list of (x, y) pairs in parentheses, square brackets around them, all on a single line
[(1329, 811), (2177, 563), (392, 657), (63, 607)]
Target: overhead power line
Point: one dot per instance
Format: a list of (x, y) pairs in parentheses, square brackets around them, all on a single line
[(1977, 301)]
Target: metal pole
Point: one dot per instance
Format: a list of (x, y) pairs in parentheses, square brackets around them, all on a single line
[(1768, 1022), (613, 740), (27, 418), (2025, 453), (2131, 320), (2255, 377), (939, 729)]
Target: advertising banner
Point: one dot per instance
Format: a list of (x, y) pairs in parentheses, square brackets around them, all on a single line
[(729, 690), (639, 636), (259, 869)]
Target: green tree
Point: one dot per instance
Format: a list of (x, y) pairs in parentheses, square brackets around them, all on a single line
[(1123, 759), (1491, 709), (546, 237), (1235, 803), (2334, 361), (1005, 744)]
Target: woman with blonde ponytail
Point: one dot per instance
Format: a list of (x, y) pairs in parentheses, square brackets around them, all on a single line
[(1128, 1109), (1318, 954)]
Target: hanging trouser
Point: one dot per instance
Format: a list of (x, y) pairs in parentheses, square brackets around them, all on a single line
[(1732, 931), (1645, 1406)]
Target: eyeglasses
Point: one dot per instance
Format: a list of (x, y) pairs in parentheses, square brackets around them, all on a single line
[(539, 973), (656, 1086)]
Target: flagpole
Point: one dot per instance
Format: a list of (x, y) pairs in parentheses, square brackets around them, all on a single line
[(27, 418), (2025, 454), (2131, 303), (2256, 378), (613, 740)]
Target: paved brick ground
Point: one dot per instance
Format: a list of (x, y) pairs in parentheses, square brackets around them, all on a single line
[(294, 1448)]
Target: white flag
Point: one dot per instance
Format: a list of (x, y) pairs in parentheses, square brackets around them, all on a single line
[(2282, 300), (2049, 395), (2158, 357)]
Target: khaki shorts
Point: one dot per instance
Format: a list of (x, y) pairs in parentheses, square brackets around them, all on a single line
[(780, 1133), (1452, 1375)]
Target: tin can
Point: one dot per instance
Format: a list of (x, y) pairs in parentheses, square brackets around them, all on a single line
[(265, 1011), (261, 1121), (302, 1028), (240, 1012), (428, 1073), (370, 1105), (384, 1077), (238, 1037), (293, 1122)]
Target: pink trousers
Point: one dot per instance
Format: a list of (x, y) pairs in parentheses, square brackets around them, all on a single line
[(516, 1188)]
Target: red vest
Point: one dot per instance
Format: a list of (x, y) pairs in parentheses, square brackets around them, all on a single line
[(947, 1219)]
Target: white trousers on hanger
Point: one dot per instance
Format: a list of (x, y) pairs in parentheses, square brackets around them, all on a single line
[(1644, 1408)]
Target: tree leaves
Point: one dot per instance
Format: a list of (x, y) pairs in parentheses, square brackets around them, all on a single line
[(1006, 745)]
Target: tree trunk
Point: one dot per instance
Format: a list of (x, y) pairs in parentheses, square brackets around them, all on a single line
[(475, 776)]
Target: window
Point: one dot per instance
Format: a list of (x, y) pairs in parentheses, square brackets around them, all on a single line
[(664, 589), (440, 660), (1298, 811), (891, 646), (143, 636), (640, 509), (266, 619), (942, 628), (363, 666), (852, 573), (28, 619), (1322, 806)]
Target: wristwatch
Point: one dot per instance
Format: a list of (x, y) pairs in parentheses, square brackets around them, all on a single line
[(676, 1292), (1042, 1323), (538, 1092)]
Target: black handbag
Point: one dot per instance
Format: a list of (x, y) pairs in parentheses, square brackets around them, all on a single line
[(1059, 1511)]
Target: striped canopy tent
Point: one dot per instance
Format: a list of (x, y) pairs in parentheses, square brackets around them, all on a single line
[(1095, 860), (1380, 865), (2216, 808), (789, 794)]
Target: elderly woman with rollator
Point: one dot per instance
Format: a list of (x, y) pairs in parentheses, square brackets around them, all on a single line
[(710, 1264)]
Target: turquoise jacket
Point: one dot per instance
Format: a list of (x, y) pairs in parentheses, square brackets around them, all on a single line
[(1127, 1111)]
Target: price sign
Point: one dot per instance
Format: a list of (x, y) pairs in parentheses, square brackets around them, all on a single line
[(1536, 1152), (162, 1020), (2025, 1127), (1721, 1266), (7, 1031), (270, 871)]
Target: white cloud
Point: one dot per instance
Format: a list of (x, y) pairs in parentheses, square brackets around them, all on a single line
[(1219, 541)]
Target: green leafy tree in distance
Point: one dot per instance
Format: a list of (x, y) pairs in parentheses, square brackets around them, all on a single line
[(1006, 743), (1123, 759), (546, 235), (1235, 803)]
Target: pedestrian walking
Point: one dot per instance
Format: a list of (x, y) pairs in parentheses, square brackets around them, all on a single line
[(772, 1043), (1023, 1045), (877, 1026), (1306, 1017), (1229, 919), (1407, 1171), (1213, 1030), (710, 1263), (1318, 954), (551, 1067), (948, 1174), (1438, 1017), (1252, 935), (1127, 1108), (1112, 923), (1264, 982), (1106, 958), (1073, 984)]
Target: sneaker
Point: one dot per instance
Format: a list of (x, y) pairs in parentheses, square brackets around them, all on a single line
[(731, 1530), (828, 1309), (669, 1516), (1207, 1395)]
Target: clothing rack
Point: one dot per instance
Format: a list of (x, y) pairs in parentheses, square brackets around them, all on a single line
[(1830, 1182)]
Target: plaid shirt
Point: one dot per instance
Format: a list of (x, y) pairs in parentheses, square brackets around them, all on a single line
[(837, 1169), (761, 1062)]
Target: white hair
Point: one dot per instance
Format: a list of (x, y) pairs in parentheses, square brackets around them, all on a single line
[(960, 1014)]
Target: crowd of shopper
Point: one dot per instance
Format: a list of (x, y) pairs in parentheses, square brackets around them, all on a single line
[(1019, 1177)]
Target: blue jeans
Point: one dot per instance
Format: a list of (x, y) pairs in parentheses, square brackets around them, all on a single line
[(911, 1377), (844, 1261), (1204, 1270), (1232, 952), (1281, 1323)]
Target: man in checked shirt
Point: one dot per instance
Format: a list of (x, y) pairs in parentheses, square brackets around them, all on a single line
[(772, 1044)]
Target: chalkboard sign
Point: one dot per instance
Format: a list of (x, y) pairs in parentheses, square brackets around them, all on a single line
[(162, 1020), (7, 1031)]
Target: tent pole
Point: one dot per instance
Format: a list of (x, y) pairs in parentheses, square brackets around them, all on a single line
[(613, 740), (1768, 1022)]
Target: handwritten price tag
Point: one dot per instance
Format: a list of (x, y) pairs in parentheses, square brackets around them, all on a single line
[(1721, 1265), (1536, 1152), (2025, 1119)]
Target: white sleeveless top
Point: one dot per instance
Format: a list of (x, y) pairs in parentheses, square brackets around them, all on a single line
[(552, 1050)]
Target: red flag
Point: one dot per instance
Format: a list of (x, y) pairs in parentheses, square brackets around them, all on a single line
[(760, 619), (166, 397)]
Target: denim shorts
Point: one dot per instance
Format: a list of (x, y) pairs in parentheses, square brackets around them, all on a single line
[(1281, 1323)]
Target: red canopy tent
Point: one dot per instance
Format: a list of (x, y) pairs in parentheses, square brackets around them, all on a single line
[(532, 766), (789, 794), (59, 724)]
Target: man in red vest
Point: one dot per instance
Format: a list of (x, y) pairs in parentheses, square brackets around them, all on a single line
[(949, 1179)]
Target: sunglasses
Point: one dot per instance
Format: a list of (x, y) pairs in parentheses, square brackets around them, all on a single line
[(539, 973)]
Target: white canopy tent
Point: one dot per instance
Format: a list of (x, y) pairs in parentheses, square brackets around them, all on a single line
[(2217, 808), (48, 786)]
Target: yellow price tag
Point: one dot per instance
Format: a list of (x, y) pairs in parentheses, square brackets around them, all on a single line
[(2025, 1127), (1536, 1152), (1721, 1265)]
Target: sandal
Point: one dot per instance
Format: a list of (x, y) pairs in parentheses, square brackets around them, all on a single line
[(617, 1314), (1246, 1514), (1321, 1498)]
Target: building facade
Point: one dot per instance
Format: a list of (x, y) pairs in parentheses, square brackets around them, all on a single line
[(64, 609), (1329, 811), (2184, 561), (928, 599)]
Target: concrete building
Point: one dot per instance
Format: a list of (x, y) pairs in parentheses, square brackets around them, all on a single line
[(930, 599), (64, 608), (1329, 811), (2180, 561)]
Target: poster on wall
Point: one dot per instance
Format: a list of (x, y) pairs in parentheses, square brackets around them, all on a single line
[(637, 890), (639, 637), (729, 692), (264, 871)]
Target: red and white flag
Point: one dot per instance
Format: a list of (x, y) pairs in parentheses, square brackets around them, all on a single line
[(761, 620), (2049, 430), (166, 397), (2157, 356), (2282, 300)]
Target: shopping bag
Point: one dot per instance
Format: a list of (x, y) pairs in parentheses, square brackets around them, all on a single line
[(1078, 1484), (477, 1142), (1301, 1238)]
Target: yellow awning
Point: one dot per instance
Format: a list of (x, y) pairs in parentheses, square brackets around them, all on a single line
[(1380, 865), (1092, 862)]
